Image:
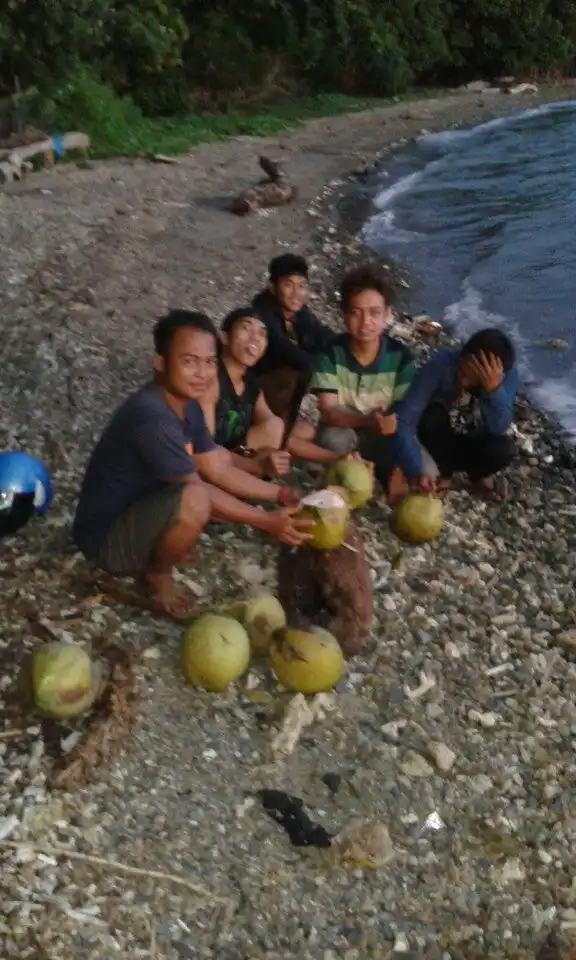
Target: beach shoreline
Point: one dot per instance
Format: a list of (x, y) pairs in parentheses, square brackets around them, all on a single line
[(454, 727)]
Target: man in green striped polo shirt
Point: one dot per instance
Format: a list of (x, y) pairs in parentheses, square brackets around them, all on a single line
[(362, 376)]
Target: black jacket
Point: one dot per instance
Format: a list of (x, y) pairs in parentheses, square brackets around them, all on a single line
[(313, 336)]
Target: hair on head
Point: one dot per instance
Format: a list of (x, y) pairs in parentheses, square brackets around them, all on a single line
[(241, 313), (494, 341), (365, 277), (287, 265), (166, 327)]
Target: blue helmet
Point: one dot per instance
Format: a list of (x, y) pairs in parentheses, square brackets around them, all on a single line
[(23, 476)]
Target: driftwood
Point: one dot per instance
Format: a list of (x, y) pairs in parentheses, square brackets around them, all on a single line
[(15, 162), (274, 191)]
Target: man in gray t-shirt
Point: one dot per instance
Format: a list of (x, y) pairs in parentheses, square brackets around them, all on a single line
[(156, 476)]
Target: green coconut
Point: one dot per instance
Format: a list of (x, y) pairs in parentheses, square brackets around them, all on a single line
[(262, 616), (418, 518), (215, 651), (65, 682), (307, 661), (330, 513), (356, 478)]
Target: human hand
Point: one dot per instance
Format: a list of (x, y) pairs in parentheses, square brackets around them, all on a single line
[(422, 484), (274, 463), (384, 423), (488, 369), (285, 525), (288, 497)]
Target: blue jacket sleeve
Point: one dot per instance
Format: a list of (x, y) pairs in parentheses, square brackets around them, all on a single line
[(425, 383), (497, 408)]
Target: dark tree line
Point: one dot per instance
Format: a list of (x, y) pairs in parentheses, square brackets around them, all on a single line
[(170, 54)]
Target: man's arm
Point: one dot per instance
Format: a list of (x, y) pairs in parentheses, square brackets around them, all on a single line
[(409, 412), (404, 376), (497, 407), (333, 415), (217, 467)]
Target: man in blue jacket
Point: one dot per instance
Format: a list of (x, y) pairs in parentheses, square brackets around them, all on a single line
[(460, 406)]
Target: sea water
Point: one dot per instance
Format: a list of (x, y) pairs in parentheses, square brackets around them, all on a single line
[(485, 219)]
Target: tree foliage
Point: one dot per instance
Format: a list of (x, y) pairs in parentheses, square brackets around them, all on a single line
[(169, 54)]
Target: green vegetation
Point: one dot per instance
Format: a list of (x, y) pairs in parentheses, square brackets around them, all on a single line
[(112, 66), (117, 127)]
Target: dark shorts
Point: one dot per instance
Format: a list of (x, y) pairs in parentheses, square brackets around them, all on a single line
[(128, 547)]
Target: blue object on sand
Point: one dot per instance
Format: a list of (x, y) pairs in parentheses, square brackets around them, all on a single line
[(23, 475)]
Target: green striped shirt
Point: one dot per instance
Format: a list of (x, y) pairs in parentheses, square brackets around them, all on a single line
[(379, 385)]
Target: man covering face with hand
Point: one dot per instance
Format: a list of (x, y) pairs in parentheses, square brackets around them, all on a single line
[(460, 406)]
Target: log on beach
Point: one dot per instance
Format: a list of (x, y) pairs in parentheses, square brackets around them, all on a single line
[(15, 162)]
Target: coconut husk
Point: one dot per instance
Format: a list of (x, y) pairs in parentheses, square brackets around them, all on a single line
[(107, 728)]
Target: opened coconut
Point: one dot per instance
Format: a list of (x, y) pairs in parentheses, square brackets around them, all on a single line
[(215, 651), (356, 478), (307, 661), (65, 682), (330, 513), (417, 518)]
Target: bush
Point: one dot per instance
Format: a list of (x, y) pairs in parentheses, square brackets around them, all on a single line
[(162, 53)]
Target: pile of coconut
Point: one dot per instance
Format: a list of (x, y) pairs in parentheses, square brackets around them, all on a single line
[(217, 647)]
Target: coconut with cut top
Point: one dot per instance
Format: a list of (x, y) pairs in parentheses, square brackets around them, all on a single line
[(330, 513)]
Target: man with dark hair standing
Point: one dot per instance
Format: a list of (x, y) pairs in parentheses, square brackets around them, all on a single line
[(460, 406), (295, 335), (156, 477)]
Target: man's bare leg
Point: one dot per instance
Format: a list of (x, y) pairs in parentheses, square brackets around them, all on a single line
[(174, 546)]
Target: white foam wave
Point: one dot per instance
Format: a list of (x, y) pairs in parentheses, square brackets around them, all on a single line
[(383, 224), (446, 138), (387, 197), (383, 227), (557, 395), (468, 315)]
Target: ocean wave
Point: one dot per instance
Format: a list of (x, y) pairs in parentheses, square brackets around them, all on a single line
[(448, 138), (383, 224), (467, 315), (558, 396)]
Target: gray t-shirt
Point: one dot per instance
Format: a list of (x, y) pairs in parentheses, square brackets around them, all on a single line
[(144, 446)]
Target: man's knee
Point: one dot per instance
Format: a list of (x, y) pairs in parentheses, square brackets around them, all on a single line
[(195, 505), (268, 434), (338, 439)]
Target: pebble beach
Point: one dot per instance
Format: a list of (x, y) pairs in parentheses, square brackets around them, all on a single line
[(455, 729)]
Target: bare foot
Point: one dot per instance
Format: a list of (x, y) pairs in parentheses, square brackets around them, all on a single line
[(443, 486), (493, 489), (167, 599)]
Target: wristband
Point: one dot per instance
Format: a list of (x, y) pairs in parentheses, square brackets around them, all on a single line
[(246, 452)]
